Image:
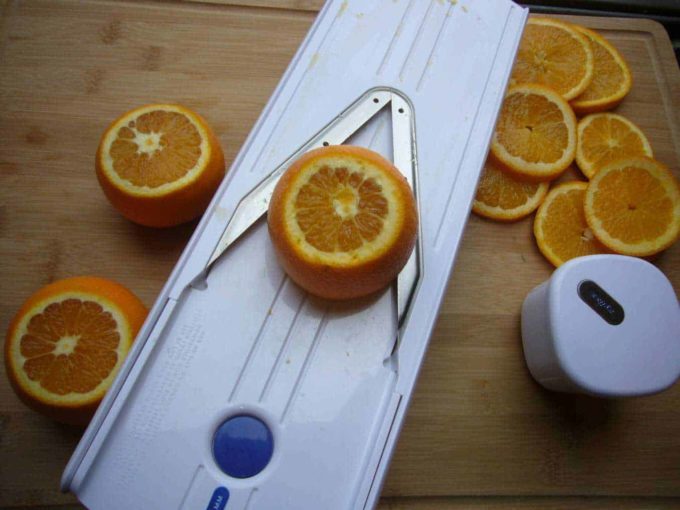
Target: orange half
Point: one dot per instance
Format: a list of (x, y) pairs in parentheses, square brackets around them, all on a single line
[(159, 164), (343, 221), (67, 343)]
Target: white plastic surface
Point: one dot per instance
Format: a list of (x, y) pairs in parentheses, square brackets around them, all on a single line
[(251, 341), (569, 347)]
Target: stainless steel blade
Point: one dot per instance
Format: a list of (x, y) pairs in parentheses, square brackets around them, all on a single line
[(255, 204)]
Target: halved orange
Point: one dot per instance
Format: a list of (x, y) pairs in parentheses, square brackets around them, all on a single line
[(633, 206), (67, 343), (501, 196), (159, 164), (343, 221), (535, 135), (611, 81), (604, 137), (560, 226), (554, 54)]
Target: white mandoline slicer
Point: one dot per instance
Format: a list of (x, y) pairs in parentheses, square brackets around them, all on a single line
[(242, 391)]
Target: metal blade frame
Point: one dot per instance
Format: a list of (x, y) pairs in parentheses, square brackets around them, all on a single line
[(256, 203)]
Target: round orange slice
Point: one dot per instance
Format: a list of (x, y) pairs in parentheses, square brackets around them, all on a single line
[(67, 342), (501, 196), (159, 165), (535, 135), (611, 81), (560, 226), (343, 221), (554, 54), (604, 137), (633, 206)]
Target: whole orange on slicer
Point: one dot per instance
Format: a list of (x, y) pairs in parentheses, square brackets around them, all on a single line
[(632, 206), (343, 221), (535, 135), (554, 54), (604, 137), (67, 342), (612, 78), (560, 226), (160, 164), (501, 196)]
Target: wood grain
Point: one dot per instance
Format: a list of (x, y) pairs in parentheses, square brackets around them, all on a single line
[(478, 424), (296, 5), (527, 503), (491, 503)]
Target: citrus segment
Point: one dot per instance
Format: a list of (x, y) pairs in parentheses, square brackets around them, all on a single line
[(343, 221), (157, 148), (560, 227), (554, 54), (605, 137), (159, 165), (67, 342), (535, 133), (633, 206), (500, 196), (339, 210), (611, 81)]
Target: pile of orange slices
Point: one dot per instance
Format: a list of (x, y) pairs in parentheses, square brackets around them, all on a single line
[(631, 203)]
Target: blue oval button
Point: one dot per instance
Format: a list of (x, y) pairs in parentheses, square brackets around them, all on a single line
[(243, 446), (219, 499)]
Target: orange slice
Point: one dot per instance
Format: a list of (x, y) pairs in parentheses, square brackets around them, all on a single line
[(633, 206), (159, 165), (67, 342), (535, 133), (500, 196), (554, 54), (560, 226), (343, 221), (611, 81), (604, 137)]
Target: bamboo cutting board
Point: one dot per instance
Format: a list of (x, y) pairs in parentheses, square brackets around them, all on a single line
[(478, 425)]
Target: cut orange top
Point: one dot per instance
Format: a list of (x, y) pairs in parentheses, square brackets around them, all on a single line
[(343, 220), (67, 342), (159, 164)]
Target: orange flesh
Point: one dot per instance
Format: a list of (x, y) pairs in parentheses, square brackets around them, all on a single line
[(549, 56), (608, 75), (70, 347), (565, 229), (338, 210), (157, 148), (633, 206), (497, 189), (532, 127), (606, 139)]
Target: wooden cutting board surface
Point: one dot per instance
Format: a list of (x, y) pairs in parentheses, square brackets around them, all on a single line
[(478, 425)]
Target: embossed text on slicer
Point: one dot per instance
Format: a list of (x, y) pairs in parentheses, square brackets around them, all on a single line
[(162, 383)]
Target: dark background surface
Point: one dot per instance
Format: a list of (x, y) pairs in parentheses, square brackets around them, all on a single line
[(666, 12)]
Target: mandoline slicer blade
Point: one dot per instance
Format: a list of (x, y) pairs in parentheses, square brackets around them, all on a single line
[(247, 341)]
